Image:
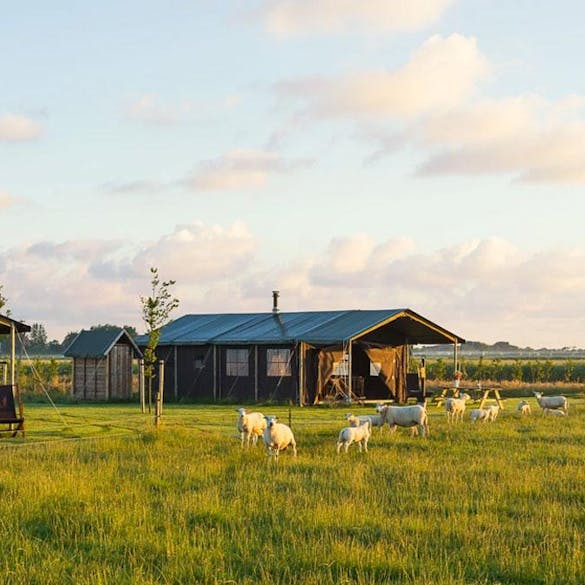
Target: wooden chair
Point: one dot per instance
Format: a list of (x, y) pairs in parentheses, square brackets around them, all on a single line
[(8, 414)]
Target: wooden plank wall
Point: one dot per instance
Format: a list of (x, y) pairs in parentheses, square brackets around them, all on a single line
[(90, 379)]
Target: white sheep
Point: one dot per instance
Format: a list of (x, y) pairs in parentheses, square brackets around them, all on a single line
[(552, 402), (375, 419), (482, 414), (494, 410), (250, 425), (455, 407), (413, 416), (277, 437), (553, 412), (523, 408), (360, 435)]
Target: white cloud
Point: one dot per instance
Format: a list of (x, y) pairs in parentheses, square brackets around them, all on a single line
[(16, 128), (442, 73), (6, 200), (526, 137), (486, 290), (240, 169), (148, 109), (286, 18)]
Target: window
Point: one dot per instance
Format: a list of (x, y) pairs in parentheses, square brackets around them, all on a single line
[(199, 362), (278, 362), (236, 362), (375, 368), (341, 368)]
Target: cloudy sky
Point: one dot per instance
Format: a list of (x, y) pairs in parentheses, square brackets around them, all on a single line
[(351, 153)]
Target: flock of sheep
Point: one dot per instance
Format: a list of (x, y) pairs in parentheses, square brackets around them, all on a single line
[(277, 436)]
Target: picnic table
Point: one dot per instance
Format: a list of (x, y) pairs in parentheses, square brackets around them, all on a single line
[(478, 394)]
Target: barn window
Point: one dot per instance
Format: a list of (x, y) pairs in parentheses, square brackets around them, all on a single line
[(278, 362), (375, 368), (199, 362), (341, 368), (236, 362)]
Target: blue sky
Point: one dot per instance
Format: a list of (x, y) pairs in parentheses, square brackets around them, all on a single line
[(351, 154)]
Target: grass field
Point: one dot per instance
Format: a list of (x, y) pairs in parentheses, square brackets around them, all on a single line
[(96, 495)]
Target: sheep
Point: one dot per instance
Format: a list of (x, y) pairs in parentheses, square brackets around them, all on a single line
[(414, 416), (552, 402), (455, 407), (250, 425), (553, 412), (482, 414), (277, 437), (360, 435), (494, 410), (523, 408), (376, 419)]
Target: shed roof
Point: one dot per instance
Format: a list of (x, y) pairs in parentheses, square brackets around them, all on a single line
[(6, 323), (99, 342), (396, 326)]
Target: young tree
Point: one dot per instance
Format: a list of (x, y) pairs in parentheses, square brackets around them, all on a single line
[(156, 310), (37, 339)]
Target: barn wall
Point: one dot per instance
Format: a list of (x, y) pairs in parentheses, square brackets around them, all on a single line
[(90, 379), (195, 375)]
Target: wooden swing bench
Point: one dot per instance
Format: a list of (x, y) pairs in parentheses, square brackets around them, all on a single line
[(8, 414)]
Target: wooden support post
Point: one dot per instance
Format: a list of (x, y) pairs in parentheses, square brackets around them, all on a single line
[(158, 407), (301, 373), (176, 373), (141, 392), (12, 354)]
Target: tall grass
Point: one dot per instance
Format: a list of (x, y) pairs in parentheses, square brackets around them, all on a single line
[(96, 495)]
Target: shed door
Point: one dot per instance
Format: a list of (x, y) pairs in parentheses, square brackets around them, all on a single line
[(121, 372)]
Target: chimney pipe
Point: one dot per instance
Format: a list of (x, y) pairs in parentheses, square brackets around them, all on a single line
[(275, 295)]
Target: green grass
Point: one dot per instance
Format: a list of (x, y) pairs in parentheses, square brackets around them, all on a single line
[(96, 495)]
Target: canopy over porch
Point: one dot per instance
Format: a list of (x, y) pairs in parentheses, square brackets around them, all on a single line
[(11, 327)]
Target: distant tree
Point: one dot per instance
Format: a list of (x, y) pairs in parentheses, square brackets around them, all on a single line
[(36, 340), (109, 327), (68, 339), (156, 310)]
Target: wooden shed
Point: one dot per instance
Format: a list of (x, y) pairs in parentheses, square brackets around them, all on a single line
[(102, 364)]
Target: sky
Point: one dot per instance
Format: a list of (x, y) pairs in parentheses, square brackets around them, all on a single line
[(352, 154)]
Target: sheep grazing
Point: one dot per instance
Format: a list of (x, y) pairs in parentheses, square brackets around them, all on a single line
[(277, 437), (480, 414), (376, 420), (360, 435), (414, 416), (250, 425), (455, 407), (552, 402), (553, 412), (523, 408)]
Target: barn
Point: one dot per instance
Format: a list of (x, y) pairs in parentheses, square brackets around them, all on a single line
[(305, 357), (102, 364)]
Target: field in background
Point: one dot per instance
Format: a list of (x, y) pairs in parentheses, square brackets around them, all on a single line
[(39, 376), (95, 495)]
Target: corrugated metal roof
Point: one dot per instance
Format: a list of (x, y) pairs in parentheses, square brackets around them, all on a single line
[(98, 343), (314, 327)]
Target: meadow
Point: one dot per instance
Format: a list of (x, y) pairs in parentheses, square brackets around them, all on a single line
[(96, 495)]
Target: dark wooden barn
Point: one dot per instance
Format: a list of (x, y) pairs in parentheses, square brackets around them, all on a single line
[(102, 364), (305, 357)]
